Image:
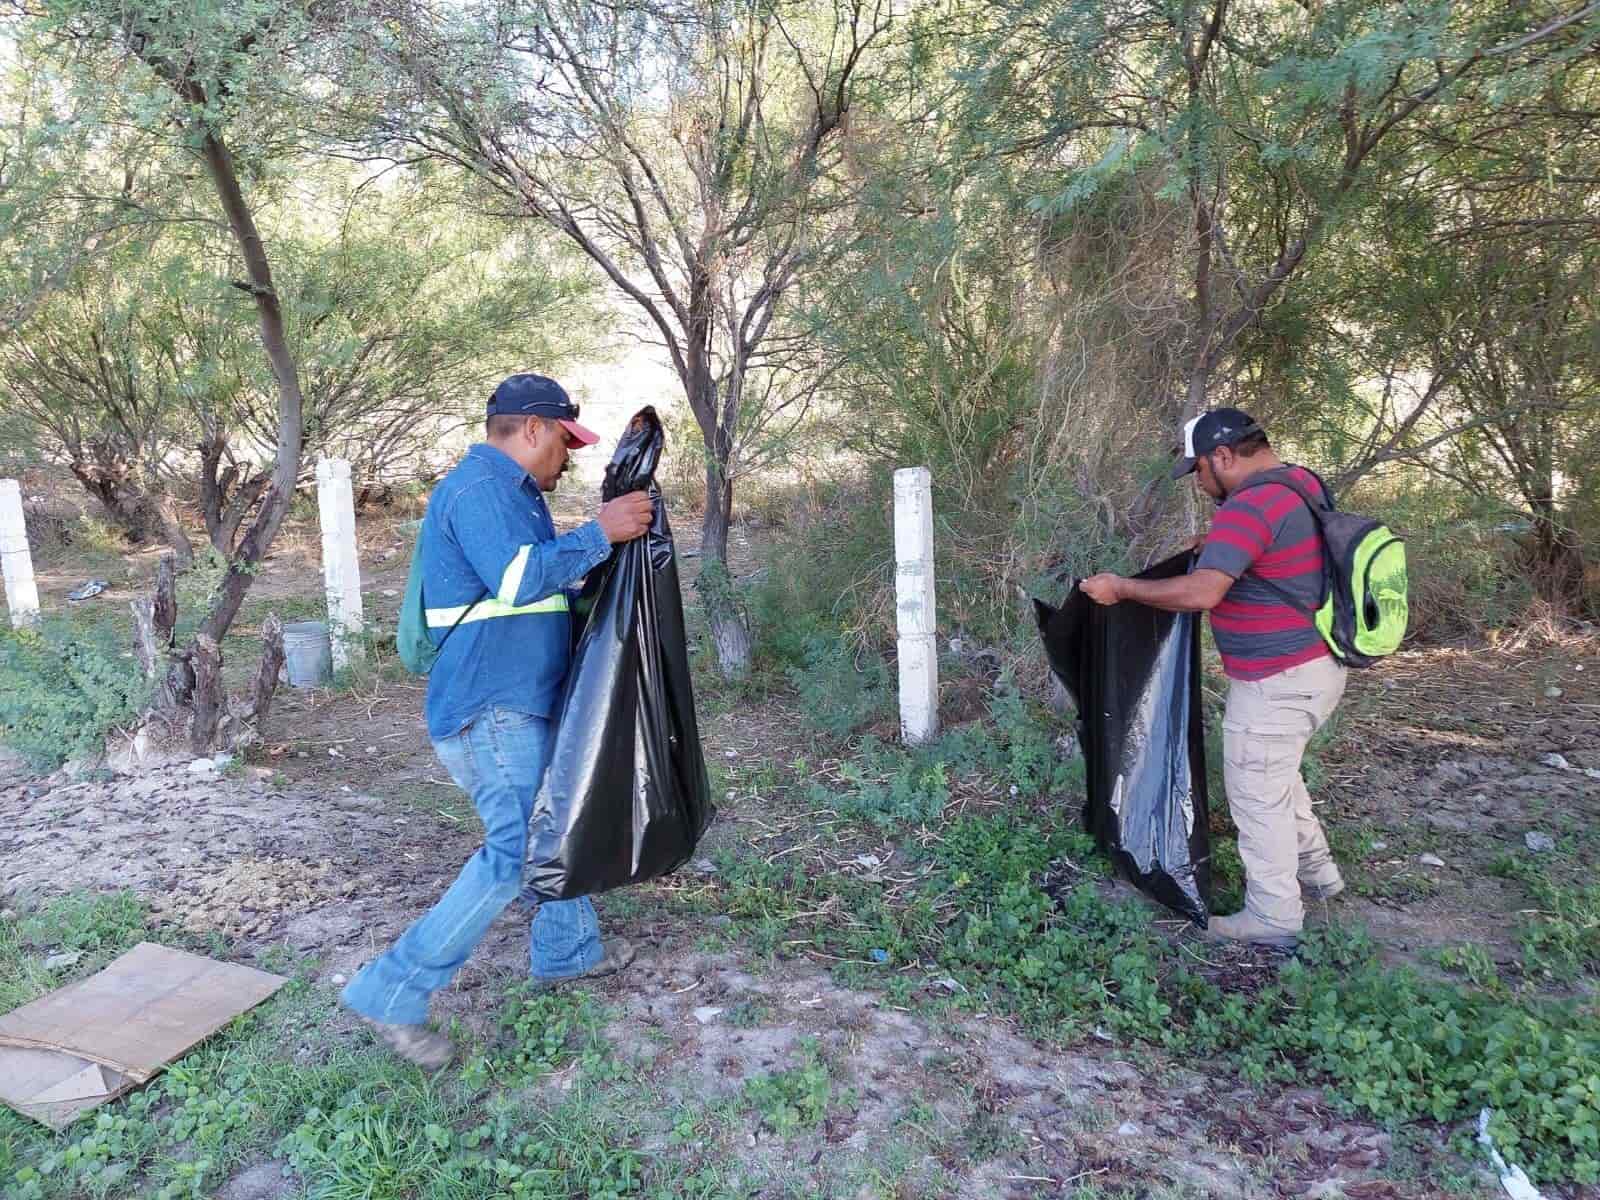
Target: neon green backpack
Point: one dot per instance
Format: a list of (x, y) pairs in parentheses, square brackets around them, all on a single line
[(1363, 613)]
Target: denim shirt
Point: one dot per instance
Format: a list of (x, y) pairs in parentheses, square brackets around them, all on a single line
[(488, 542)]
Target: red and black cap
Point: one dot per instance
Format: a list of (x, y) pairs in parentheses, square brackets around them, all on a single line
[(1207, 432), (540, 396)]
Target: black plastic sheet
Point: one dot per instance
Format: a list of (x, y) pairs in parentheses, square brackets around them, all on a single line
[(626, 796), (1134, 673)]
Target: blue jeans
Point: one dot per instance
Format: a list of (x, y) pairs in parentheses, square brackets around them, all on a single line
[(499, 760)]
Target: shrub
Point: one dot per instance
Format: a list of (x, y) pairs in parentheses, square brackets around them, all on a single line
[(62, 688), (841, 688), (833, 570)]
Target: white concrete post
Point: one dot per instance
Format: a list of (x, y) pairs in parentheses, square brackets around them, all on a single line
[(914, 605), (22, 596), (341, 569)]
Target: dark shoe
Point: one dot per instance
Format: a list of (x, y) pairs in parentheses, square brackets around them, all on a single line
[(415, 1043), (619, 954), (1244, 927), (1321, 891)]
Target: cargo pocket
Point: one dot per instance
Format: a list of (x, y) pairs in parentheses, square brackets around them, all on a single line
[(1257, 769)]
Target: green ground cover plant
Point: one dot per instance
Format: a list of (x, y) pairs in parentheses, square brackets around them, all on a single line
[(63, 686), (794, 1099), (349, 1121), (1387, 1041), (1561, 936)]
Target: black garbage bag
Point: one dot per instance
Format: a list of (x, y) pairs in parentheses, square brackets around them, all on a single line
[(1134, 673), (626, 796)]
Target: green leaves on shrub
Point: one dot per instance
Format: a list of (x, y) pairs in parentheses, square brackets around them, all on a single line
[(62, 688), (840, 690)]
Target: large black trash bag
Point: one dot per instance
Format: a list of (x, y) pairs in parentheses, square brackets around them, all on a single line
[(1134, 673), (626, 796)]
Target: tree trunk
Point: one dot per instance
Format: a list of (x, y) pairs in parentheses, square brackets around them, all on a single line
[(729, 633), (266, 680), (1557, 561), (173, 533), (210, 699), (225, 499), (141, 516), (206, 650), (154, 619)]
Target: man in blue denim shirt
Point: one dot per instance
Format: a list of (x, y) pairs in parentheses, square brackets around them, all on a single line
[(495, 575)]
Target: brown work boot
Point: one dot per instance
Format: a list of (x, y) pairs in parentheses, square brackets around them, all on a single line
[(618, 955), (415, 1043), (1326, 889), (1246, 927)]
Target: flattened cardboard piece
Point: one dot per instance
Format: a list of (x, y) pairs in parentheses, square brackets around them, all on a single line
[(93, 1040)]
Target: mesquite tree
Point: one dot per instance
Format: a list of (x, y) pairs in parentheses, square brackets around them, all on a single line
[(1272, 129), (205, 73), (689, 151)]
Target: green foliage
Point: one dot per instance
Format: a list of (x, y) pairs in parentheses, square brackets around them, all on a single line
[(840, 687), (1472, 961), (545, 1029), (1561, 935), (1388, 1043), (887, 787), (63, 687), (106, 922), (832, 571), (379, 1145), (1465, 577), (893, 786), (795, 1099)]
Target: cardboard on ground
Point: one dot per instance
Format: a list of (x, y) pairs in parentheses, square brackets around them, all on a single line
[(95, 1039)]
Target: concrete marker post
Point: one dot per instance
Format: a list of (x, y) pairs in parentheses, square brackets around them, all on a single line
[(915, 617), (341, 566), (16, 563)]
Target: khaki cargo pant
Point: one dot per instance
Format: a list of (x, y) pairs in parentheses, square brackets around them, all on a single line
[(1265, 729)]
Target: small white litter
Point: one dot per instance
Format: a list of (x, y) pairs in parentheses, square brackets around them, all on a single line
[(1513, 1178)]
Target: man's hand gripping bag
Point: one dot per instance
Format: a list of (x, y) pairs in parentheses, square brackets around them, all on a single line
[(626, 796)]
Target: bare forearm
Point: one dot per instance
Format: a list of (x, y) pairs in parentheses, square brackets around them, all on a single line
[(1178, 594), (1198, 591)]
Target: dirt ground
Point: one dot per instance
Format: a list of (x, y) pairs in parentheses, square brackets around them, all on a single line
[(342, 828)]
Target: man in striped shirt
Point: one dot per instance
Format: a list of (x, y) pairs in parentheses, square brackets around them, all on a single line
[(1259, 573)]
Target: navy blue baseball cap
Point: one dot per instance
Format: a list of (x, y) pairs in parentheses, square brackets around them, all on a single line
[(540, 396), (1205, 433)]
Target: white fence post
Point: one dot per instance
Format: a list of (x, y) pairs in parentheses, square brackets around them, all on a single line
[(22, 596), (915, 619), (341, 568)]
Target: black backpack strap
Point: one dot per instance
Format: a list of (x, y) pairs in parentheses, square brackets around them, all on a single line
[(1284, 476), (453, 625)]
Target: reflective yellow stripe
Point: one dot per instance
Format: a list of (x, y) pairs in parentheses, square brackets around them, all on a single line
[(511, 578), (483, 610)]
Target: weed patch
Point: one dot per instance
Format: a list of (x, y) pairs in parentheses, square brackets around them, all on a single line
[(63, 686), (1561, 937), (1386, 1042), (841, 687), (792, 1100)]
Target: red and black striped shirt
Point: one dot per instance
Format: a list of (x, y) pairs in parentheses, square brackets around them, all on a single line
[(1260, 534)]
